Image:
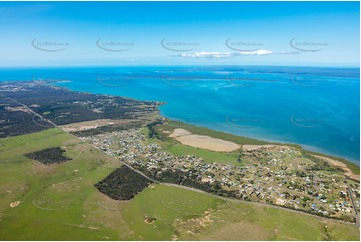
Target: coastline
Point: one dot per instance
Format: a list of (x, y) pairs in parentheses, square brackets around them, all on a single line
[(348, 166), (305, 147), (352, 167), (263, 126), (336, 163), (161, 128)]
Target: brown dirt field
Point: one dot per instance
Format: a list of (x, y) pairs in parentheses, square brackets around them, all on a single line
[(203, 142), (81, 126)]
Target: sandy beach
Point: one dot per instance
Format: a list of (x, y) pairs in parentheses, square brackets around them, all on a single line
[(341, 165)]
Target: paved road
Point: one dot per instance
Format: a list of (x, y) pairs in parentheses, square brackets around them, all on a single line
[(357, 216), (30, 110)]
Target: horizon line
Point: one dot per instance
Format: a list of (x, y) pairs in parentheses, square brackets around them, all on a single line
[(181, 65)]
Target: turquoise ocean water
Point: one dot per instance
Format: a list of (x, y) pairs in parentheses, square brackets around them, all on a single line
[(315, 107)]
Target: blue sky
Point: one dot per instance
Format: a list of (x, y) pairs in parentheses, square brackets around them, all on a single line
[(179, 33)]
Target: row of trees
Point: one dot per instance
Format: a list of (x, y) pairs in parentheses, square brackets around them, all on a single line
[(152, 132)]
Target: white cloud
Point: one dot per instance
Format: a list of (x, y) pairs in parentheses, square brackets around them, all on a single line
[(208, 54), (205, 54), (256, 52)]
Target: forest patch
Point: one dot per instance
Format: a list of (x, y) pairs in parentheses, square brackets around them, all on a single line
[(49, 156), (122, 184)]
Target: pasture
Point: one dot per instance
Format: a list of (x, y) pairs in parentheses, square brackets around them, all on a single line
[(60, 202)]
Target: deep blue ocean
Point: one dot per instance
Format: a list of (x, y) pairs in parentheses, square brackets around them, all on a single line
[(318, 108)]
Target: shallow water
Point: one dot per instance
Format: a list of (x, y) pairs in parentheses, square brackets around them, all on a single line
[(315, 107)]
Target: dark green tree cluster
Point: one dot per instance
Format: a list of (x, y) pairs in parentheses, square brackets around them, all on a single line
[(49, 156), (152, 132), (180, 177), (122, 184)]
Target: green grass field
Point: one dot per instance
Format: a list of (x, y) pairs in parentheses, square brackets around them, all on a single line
[(184, 213), (53, 199), (59, 202)]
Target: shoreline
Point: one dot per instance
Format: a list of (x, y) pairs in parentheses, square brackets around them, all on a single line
[(344, 163), (348, 166), (309, 148), (339, 164), (304, 147)]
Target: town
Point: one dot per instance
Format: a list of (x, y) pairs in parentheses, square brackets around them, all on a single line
[(277, 175)]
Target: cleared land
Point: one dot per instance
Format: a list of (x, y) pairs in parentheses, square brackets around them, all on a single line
[(203, 142), (65, 205), (87, 125)]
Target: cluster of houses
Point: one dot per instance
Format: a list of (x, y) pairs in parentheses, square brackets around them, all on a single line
[(275, 175)]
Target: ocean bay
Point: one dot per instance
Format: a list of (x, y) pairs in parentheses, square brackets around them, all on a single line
[(315, 107)]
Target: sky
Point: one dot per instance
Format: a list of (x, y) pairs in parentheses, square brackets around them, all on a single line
[(179, 33)]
